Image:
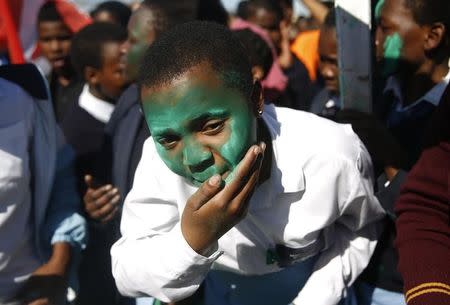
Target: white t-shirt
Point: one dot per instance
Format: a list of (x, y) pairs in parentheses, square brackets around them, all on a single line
[(319, 199)]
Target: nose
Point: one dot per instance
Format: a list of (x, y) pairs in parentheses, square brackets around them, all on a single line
[(55, 45), (196, 156), (125, 46), (327, 71)]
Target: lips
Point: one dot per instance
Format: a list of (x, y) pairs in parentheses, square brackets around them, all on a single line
[(58, 62), (199, 178)]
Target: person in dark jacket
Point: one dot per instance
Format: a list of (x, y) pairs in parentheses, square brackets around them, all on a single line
[(423, 223), (97, 56), (412, 46), (327, 101)]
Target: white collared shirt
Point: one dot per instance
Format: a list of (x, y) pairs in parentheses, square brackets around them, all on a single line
[(433, 96), (99, 109), (319, 198)]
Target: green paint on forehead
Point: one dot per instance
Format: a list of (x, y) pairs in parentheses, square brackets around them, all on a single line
[(378, 9), (392, 47), (183, 114)]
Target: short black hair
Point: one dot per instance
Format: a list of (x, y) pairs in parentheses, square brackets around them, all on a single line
[(287, 3), (259, 53), (194, 43), (120, 12), (212, 10), (330, 19), (87, 44), (273, 6), (242, 10), (177, 12), (48, 12), (427, 12)]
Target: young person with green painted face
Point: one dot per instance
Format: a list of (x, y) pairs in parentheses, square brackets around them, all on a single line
[(412, 48), (266, 205)]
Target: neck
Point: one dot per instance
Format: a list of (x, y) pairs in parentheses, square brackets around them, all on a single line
[(416, 85), (263, 135), (98, 93)]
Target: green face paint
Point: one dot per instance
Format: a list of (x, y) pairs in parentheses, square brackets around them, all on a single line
[(141, 34), (392, 50), (378, 9), (200, 131)]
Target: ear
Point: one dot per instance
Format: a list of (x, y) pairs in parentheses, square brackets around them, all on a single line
[(435, 36), (258, 73), (257, 98), (91, 75)]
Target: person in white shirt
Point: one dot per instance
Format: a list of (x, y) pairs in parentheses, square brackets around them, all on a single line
[(266, 208)]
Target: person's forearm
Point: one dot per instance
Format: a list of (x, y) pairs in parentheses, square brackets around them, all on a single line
[(318, 10), (60, 259)]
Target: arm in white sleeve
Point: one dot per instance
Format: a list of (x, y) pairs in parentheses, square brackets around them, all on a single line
[(354, 228), (152, 257)]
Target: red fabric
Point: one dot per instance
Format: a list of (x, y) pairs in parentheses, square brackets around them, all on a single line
[(72, 16), (423, 229), (9, 20), (15, 9)]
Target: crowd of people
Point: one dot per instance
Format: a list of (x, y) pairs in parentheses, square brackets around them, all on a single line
[(172, 152)]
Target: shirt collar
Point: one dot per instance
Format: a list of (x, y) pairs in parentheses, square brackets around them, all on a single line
[(98, 108), (433, 96), (285, 183)]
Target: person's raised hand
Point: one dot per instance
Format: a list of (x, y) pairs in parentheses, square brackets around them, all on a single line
[(217, 206), (100, 202), (285, 58)]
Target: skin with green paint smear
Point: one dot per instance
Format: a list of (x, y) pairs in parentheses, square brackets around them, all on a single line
[(200, 131), (378, 9), (392, 52), (141, 34), (392, 47)]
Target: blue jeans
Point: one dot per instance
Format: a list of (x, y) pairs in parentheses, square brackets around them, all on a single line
[(371, 295)]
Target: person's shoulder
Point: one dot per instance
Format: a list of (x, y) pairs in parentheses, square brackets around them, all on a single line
[(126, 102), (15, 102), (306, 134)]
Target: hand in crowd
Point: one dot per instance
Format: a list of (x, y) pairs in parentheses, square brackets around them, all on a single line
[(100, 201), (47, 285), (285, 58), (214, 209), (381, 144)]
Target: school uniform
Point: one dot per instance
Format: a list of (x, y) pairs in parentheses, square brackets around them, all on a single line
[(84, 128), (423, 240), (381, 283), (309, 232)]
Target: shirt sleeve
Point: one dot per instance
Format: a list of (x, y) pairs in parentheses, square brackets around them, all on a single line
[(152, 257), (423, 229), (352, 226)]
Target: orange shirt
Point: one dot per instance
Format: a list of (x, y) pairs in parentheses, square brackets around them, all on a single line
[(306, 48)]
